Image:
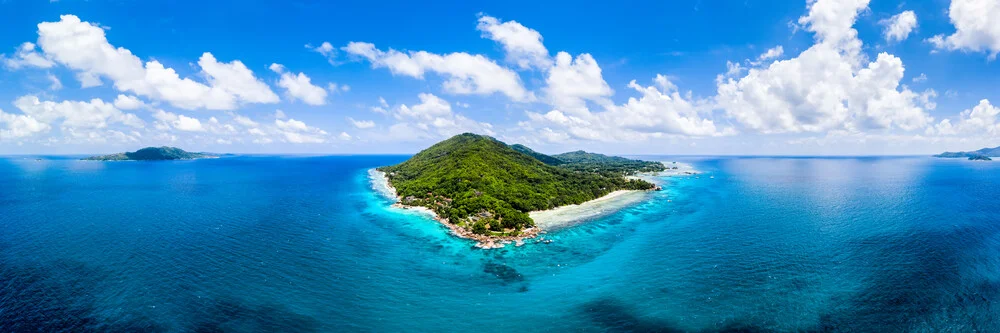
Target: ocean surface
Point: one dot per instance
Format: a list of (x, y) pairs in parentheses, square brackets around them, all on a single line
[(303, 244)]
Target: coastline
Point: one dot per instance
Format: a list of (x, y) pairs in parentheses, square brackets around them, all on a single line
[(550, 219), (569, 215), (565, 216), (380, 183)]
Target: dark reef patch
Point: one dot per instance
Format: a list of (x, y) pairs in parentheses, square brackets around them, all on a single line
[(922, 279), (503, 272), (57, 297), (234, 316)]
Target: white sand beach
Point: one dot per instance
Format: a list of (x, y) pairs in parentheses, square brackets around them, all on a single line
[(564, 216)]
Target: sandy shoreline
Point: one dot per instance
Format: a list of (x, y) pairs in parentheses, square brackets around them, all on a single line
[(564, 216), (551, 219)]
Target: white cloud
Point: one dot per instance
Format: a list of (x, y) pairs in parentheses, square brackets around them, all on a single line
[(920, 78), (432, 118), (327, 50), (26, 56), (344, 136), (772, 53), (977, 121), (522, 45), (827, 86), (76, 114), (20, 126), (236, 79), (128, 102), (976, 28), (335, 88), (83, 47), (244, 121), (660, 111), (572, 82), (294, 131), (167, 120), (382, 106), (76, 136), (362, 124), (55, 83), (465, 73), (299, 86), (899, 26)]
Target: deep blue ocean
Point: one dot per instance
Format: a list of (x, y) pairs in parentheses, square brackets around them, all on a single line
[(303, 244)]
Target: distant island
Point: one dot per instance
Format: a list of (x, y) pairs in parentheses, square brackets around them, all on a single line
[(151, 154), (483, 189), (980, 158), (985, 152)]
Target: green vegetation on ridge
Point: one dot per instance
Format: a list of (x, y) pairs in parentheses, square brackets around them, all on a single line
[(150, 154), (987, 152), (583, 161), (488, 187)]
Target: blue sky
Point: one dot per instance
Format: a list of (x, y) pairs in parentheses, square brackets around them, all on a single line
[(820, 77)]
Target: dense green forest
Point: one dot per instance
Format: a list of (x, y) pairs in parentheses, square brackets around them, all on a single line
[(150, 154), (583, 161), (486, 186)]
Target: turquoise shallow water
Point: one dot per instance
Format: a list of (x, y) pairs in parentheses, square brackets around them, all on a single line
[(302, 244)]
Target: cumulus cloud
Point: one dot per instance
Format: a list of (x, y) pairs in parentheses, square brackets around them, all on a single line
[(772, 53), (18, 126), (236, 79), (432, 118), (572, 82), (981, 120), (522, 45), (26, 56), (76, 114), (899, 26), (295, 131), (128, 102), (464, 73), (168, 120), (299, 86), (659, 111), (84, 47), (976, 28), (327, 50), (828, 86)]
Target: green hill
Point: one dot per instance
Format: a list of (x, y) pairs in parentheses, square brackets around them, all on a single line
[(988, 152), (583, 161), (538, 156), (488, 187), (150, 154)]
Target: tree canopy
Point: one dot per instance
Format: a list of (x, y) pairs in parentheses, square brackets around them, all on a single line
[(487, 186)]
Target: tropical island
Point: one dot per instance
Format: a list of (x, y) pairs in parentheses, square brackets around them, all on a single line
[(484, 189), (985, 152), (151, 154)]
